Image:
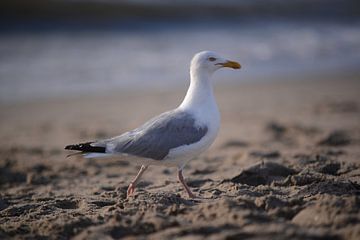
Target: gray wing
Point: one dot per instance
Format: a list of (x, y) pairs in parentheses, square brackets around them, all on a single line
[(158, 136)]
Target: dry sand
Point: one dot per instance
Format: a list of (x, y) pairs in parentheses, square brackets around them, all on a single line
[(285, 166)]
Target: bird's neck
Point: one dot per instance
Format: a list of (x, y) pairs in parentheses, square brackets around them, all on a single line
[(200, 94)]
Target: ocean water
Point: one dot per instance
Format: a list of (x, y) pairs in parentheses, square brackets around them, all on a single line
[(53, 63)]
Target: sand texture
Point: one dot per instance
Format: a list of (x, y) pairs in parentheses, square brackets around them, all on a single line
[(285, 166)]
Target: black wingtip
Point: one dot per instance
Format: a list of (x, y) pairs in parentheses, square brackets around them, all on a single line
[(69, 147), (85, 147)]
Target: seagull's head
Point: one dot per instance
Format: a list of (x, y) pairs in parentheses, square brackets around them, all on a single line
[(208, 62)]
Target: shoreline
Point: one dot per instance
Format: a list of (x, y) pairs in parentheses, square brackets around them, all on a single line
[(350, 76)]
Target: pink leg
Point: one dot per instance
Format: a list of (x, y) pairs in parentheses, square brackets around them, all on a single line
[(133, 183), (181, 179)]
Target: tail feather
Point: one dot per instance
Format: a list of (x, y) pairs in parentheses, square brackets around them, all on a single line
[(75, 154), (86, 148)]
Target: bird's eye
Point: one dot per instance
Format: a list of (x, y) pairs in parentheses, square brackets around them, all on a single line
[(211, 59)]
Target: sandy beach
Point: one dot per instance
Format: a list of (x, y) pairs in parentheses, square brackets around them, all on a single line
[(284, 166)]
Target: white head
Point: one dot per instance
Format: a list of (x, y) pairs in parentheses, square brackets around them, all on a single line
[(207, 62)]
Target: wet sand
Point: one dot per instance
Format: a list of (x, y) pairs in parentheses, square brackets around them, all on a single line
[(285, 166)]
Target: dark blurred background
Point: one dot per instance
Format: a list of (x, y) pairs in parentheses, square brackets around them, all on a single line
[(63, 47)]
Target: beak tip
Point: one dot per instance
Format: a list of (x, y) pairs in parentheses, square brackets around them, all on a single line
[(237, 65), (232, 64)]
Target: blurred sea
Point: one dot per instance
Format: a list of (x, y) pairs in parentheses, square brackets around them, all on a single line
[(55, 56)]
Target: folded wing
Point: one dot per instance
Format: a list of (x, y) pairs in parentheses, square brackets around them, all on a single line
[(157, 137)]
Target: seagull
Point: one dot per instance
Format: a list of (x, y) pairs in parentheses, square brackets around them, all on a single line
[(173, 137)]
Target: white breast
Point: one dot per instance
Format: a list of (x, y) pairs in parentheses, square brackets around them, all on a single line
[(200, 102)]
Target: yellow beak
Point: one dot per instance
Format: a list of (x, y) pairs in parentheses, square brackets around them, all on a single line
[(231, 64)]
